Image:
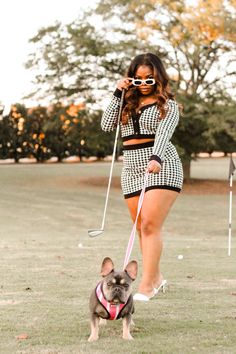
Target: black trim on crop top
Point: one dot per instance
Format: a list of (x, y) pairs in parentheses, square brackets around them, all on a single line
[(140, 136), (135, 118)]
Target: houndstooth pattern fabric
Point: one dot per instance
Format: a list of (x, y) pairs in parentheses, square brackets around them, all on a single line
[(110, 116), (147, 123), (134, 166)]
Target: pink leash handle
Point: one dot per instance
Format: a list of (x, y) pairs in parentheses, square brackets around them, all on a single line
[(132, 235)]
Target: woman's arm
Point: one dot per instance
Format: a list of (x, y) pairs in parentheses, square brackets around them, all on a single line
[(165, 130), (110, 115)]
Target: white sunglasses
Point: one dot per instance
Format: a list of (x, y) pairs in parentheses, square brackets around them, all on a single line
[(138, 82)]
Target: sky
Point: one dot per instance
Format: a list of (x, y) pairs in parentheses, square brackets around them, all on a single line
[(19, 21)]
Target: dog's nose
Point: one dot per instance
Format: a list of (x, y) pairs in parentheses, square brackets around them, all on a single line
[(118, 290)]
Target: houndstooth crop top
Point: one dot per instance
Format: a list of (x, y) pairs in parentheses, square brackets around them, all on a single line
[(145, 124)]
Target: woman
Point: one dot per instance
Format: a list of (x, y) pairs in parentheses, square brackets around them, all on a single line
[(149, 118)]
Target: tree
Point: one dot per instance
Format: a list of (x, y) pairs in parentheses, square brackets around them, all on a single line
[(17, 145), (193, 37), (198, 44), (189, 137), (34, 122), (63, 130), (5, 139), (95, 141), (196, 41), (74, 133), (55, 130), (222, 125), (72, 58), (78, 58)]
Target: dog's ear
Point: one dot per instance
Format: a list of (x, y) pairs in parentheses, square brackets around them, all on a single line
[(132, 269), (107, 266)]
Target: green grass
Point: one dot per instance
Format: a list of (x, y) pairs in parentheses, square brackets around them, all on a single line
[(46, 277)]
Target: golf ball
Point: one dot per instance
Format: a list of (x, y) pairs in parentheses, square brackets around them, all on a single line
[(80, 245), (180, 256)]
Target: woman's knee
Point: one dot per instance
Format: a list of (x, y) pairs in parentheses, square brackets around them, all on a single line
[(149, 227)]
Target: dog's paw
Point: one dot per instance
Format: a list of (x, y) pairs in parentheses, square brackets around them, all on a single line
[(127, 336), (93, 338)]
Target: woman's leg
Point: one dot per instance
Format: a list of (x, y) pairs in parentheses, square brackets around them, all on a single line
[(132, 204), (156, 205)]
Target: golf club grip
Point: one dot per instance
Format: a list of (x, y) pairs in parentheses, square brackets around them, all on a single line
[(113, 156), (121, 104)]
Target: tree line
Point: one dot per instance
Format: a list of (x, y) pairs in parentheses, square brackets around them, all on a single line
[(56, 131), (68, 130)]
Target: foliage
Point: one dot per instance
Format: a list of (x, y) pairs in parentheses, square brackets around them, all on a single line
[(96, 142), (58, 130), (194, 38), (192, 125), (4, 138), (17, 132), (197, 42), (35, 120), (66, 57), (79, 58), (222, 126)]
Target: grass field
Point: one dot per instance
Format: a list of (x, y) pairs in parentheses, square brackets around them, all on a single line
[(49, 265)]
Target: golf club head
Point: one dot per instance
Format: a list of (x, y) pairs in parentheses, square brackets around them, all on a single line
[(95, 233)]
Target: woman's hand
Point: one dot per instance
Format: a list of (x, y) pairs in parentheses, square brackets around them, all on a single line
[(154, 167), (124, 84)]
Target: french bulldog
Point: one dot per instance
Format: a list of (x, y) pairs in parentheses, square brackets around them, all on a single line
[(112, 298)]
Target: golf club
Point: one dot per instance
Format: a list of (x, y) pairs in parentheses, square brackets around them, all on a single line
[(97, 232)]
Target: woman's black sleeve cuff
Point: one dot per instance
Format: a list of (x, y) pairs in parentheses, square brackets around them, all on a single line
[(117, 93), (156, 158)]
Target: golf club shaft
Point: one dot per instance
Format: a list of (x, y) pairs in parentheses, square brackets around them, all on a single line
[(110, 177), (113, 157)]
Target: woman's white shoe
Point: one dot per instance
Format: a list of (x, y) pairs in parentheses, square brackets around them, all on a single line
[(145, 298), (161, 287), (140, 297)]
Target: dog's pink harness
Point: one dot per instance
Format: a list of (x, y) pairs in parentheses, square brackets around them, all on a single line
[(112, 309)]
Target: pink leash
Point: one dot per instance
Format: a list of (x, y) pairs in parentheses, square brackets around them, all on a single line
[(132, 235)]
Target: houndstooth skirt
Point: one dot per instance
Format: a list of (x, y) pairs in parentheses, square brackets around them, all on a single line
[(135, 161)]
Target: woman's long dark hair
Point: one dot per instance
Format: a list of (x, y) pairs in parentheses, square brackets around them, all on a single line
[(161, 87)]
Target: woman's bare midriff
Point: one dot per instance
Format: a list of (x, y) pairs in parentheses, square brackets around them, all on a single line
[(136, 141)]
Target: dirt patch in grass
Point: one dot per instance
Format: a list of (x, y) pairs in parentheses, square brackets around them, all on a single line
[(207, 186), (194, 187), (9, 302)]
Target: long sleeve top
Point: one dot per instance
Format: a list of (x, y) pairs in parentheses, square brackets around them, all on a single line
[(145, 124)]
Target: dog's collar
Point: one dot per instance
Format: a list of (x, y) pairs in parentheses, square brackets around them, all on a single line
[(112, 309)]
